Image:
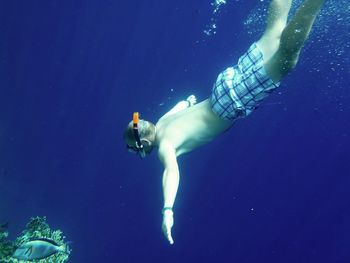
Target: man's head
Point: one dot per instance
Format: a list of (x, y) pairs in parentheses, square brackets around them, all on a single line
[(140, 136)]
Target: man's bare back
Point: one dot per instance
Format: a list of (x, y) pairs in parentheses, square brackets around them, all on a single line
[(190, 128)]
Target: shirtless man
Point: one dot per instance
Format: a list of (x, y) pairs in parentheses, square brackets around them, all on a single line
[(236, 93)]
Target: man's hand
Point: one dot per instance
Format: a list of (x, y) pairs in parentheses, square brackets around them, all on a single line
[(192, 100), (168, 222)]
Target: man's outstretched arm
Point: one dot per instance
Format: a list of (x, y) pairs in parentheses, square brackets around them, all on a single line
[(171, 178)]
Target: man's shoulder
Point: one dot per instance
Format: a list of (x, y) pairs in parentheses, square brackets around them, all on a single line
[(165, 146), (165, 149)]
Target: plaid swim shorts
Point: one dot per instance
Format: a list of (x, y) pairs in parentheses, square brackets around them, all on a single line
[(238, 90)]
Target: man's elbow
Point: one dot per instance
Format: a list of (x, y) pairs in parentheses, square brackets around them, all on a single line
[(171, 172)]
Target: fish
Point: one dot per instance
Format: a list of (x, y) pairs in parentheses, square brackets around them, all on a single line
[(39, 248)]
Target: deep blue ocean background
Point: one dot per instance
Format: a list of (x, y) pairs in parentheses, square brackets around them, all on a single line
[(275, 188)]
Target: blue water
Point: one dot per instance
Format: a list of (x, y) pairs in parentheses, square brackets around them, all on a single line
[(275, 188)]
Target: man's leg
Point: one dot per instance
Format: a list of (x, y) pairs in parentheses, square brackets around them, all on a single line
[(276, 22), (292, 40)]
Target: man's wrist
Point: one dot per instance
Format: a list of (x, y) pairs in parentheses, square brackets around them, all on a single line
[(167, 209)]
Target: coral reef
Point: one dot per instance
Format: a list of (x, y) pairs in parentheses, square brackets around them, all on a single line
[(36, 228), (6, 247)]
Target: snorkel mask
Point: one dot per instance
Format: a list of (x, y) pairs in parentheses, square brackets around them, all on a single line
[(139, 149)]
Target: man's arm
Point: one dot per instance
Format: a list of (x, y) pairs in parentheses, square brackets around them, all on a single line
[(171, 178), (184, 104)]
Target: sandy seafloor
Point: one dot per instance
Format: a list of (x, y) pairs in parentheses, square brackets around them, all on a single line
[(275, 188)]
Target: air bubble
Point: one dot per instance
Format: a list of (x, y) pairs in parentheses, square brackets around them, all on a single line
[(211, 28)]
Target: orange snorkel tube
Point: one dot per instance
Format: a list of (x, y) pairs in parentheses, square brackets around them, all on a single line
[(139, 146), (135, 119)]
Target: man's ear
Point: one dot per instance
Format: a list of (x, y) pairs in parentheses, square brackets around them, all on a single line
[(146, 142)]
